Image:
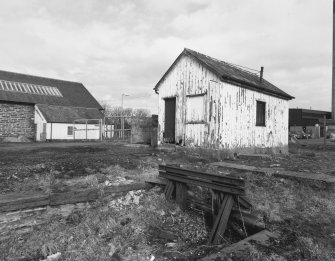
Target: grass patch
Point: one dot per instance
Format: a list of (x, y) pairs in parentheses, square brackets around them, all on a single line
[(127, 227), (304, 216)]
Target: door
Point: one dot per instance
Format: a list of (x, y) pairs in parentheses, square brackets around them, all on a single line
[(170, 120)]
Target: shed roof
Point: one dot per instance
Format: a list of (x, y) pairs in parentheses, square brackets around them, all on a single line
[(74, 93), (64, 114), (230, 73)]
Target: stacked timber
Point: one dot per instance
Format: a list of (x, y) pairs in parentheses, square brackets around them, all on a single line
[(228, 200)]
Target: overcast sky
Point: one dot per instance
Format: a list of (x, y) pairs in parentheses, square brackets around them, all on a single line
[(116, 47)]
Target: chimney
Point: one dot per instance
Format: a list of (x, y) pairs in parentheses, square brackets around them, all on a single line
[(333, 71), (262, 70)]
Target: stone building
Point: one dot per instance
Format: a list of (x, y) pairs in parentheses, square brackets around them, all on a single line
[(40, 108)]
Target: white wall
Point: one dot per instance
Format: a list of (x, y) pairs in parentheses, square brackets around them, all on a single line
[(59, 131), (229, 111), (39, 121)]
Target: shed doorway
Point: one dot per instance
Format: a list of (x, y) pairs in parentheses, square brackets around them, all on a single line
[(170, 120)]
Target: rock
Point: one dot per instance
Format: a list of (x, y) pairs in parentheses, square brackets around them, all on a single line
[(125, 221), (53, 257), (274, 165), (89, 171), (171, 245), (112, 249)]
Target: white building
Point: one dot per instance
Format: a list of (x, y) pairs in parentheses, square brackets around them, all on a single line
[(210, 103), (67, 123)]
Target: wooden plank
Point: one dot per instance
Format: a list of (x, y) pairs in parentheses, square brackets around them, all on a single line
[(205, 180), (126, 187), (74, 196), (203, 183), (181, 195), (87, 195), (217, 221), (243, 202), (251, 222), (167, 187), (209, 176), (171, 191), (170, 187), (215, 204), (199, 204), (224, 219), (18, 201)]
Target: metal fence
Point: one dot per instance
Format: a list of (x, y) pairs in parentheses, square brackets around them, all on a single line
[(117, 129), (88, 129)]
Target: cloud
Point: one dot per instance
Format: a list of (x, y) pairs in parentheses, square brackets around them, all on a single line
[(126, 46)]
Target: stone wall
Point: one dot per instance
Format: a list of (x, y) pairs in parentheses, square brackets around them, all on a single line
[(16, 120), (144, 130)]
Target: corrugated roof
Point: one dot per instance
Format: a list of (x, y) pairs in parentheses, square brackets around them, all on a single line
[(64, 114), (74, 93), (232, 74)]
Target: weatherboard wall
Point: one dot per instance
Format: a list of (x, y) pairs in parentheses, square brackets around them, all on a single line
[(214, 114)]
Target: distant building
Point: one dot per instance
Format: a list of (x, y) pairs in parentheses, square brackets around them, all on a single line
[(209, 103), (41, 109), (309, 121)]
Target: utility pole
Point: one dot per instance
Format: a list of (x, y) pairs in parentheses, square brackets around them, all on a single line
[(333, 69), (324, 131)]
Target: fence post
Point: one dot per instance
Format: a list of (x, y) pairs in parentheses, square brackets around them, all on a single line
[(122, 127), (74, 131)]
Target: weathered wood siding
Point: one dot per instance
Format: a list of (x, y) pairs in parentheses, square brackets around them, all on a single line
[(226, 114)]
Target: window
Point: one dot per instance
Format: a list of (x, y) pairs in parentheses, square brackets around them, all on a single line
[(260, 114), (69, 130)]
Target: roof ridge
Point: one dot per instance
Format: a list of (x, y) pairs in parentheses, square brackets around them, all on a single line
[(230, 73), (227, 63), (37, 76)]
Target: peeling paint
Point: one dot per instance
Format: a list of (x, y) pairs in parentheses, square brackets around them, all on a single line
[(224, 116)]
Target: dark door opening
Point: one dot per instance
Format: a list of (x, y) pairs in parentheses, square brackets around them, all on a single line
[(170, 120)]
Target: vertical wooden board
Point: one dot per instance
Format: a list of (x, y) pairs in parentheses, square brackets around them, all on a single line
[(215, 203), (224, 219), (181, 195), (170, 191), (217, 221), (166, 187)]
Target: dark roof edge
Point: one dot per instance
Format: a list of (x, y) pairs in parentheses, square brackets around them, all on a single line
[(255, 88), (23, 103), (41, 77), (227, 79), (79, 107)]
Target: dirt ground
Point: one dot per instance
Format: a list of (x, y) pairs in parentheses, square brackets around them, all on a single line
[(302, 215)]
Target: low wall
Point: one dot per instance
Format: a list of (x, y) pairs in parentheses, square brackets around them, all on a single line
[(144, 130)]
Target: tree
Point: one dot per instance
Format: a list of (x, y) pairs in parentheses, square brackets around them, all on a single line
[(112, 111)]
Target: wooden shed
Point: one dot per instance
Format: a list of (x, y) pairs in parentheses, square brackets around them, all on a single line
[(209, 103)]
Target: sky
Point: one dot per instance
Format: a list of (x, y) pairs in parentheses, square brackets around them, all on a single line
[(117, 47)]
